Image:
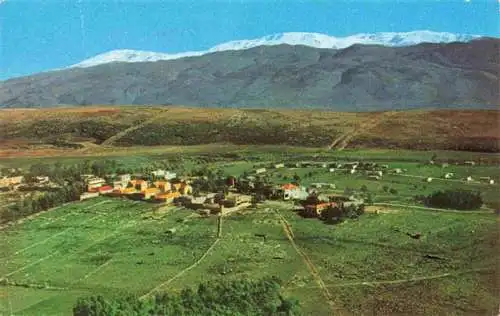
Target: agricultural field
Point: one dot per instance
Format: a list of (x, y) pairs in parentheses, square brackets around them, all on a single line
[(367, 265)]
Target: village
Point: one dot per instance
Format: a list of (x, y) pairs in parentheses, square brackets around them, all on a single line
[(230, 193)]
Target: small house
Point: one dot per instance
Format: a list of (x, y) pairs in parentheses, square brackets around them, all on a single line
[(429, 179), (105, 189), (316, 209), (469, 179), (124, 178), (260, 170), (331, 170), (158, 173), (94, 182), (448, 175), (291, 191), (492, 181), (398, 170), (129, 191), (167, 197), (470, 163), (445, 165), (374, 177), (139, 185), (42, 179), (88, 195), (352, 171), (279, 165), (163, 186), (170, 175), (385, 166), (149, 193)]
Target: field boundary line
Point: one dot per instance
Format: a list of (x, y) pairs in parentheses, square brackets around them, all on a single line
[(28, 265), (399, 281), (444, 210), (53, 236), (310, 265), (197, 262), (32, 216), (86, 276)]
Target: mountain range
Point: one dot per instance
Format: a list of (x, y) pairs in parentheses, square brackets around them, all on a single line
[(317, 40), (363, 72)]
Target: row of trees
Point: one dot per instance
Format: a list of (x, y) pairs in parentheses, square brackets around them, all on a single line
[(453, 199), (335, 215), (37, 203), (220, 298)]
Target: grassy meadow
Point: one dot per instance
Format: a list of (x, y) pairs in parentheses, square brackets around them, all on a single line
[(369, 265)]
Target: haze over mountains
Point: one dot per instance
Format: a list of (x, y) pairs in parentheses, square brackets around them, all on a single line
[(362, 72)]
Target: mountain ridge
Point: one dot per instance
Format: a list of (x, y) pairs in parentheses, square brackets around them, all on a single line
[(317, 40), (360, 77)]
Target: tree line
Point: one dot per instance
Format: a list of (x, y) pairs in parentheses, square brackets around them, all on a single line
[(217, 298), (453, 199)]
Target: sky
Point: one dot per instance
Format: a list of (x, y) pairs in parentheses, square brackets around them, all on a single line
[(39, 35)]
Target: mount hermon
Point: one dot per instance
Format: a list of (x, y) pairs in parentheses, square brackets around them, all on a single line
[(317, 40)]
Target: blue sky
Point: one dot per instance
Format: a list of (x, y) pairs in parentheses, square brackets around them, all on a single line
[(38, 35)]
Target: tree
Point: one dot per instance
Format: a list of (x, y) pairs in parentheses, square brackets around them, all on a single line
[(296, 178), (385, 188), (393, 191), (364, 188)]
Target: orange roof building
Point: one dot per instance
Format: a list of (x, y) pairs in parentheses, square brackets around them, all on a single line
[(167, 197), (150, 192), (318, 208), (164, 186), (289, 186)]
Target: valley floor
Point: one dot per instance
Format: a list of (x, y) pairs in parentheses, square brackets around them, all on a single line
[(367, 266), (362, 266)]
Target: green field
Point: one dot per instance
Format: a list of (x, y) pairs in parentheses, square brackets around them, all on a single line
[(112, 246), (367, 266)]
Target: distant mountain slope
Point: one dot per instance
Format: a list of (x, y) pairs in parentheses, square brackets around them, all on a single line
[(360, 77), (316, 40)]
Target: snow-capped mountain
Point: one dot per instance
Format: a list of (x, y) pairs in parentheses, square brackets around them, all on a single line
[(317, 40)]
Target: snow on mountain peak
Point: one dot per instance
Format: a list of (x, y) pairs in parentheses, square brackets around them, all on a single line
[(317, 40)]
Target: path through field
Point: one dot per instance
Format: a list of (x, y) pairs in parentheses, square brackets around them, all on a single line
[(341, 142), (196, 263), (399, 281), (431, 208), (310, 265), (112, 139)]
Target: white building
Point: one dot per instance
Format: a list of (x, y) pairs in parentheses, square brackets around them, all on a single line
[(94, 182), (279, 165), (158, 173), (88, 195), (170, 175), (260, 170), (123, 178)]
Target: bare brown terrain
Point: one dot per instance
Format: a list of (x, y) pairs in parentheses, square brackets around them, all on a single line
[(94, 130)]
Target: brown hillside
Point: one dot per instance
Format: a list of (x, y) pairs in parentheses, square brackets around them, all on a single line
[(81, 128)]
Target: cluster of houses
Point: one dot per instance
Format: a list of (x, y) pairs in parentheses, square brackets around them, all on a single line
[(165, 188)]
